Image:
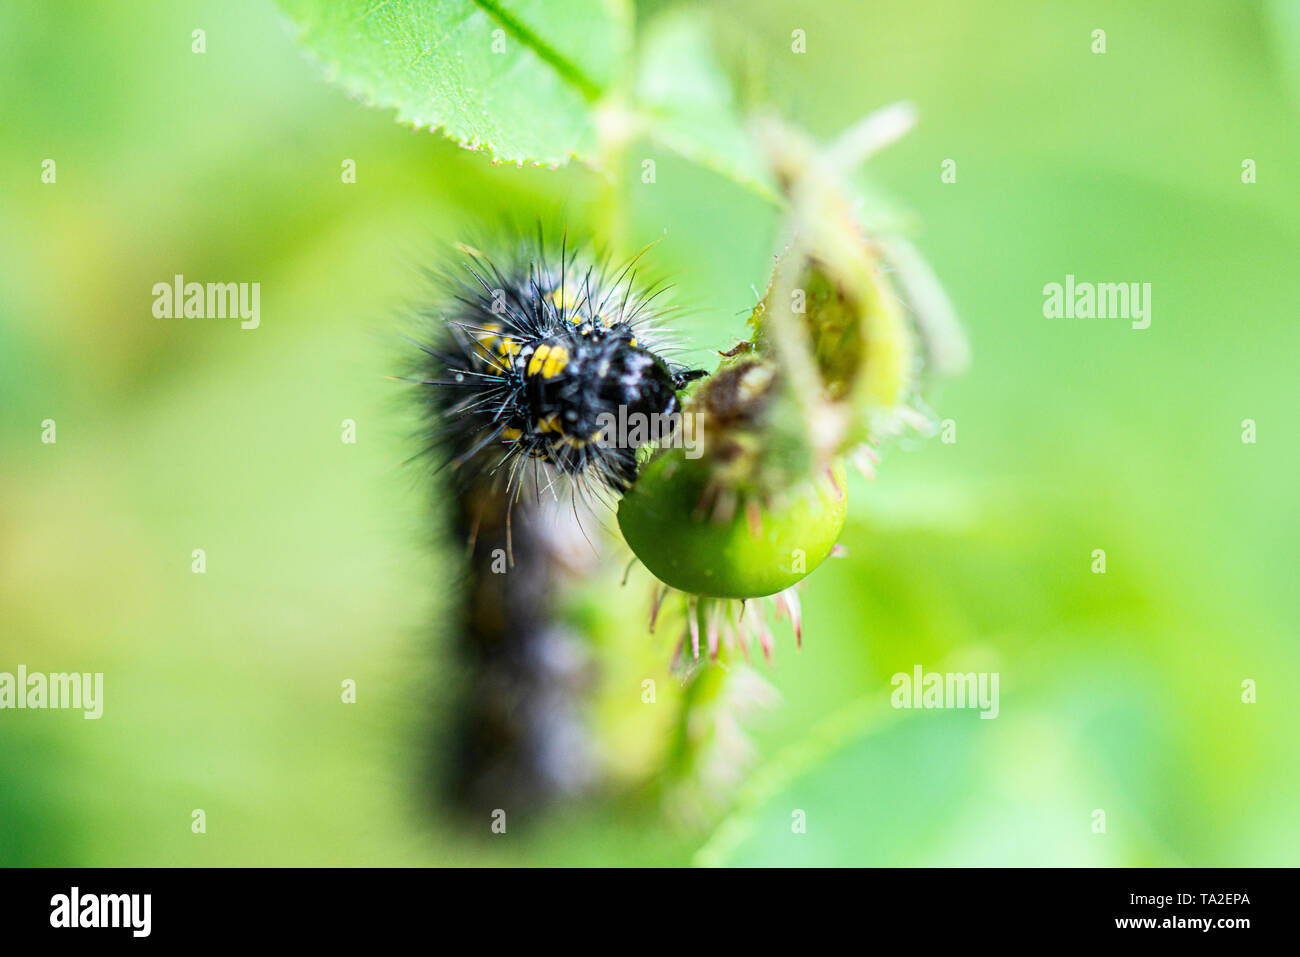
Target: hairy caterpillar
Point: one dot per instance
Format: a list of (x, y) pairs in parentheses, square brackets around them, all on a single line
[(531, 359), (521, 361)]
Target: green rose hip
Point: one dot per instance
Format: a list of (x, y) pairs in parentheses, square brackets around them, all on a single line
[(752, 552)]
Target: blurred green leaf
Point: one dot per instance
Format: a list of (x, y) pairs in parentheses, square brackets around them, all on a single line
[(871, 787), (1282, 20), (518, 77), (687, 97)]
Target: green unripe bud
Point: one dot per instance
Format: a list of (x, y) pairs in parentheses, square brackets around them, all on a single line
[(675, 526)]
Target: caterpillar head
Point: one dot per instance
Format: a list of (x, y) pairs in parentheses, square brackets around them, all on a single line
[(610, 397), (556, 364)]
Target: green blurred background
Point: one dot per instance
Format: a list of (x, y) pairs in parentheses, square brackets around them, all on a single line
[(1120, 692)]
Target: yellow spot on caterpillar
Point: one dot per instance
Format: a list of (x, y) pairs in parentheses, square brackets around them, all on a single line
[(508, 347), (538, 359), (550, 424), (510, 435), (555, 362), (631, 342), (549, 360), (565, 300)]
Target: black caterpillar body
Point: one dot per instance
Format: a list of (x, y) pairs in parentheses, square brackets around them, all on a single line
[(521, 363), (534, 356)]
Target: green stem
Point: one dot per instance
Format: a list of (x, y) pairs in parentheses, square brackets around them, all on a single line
[(868, 715)]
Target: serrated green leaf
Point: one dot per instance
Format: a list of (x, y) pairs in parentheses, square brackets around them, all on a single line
[(517, 77)]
